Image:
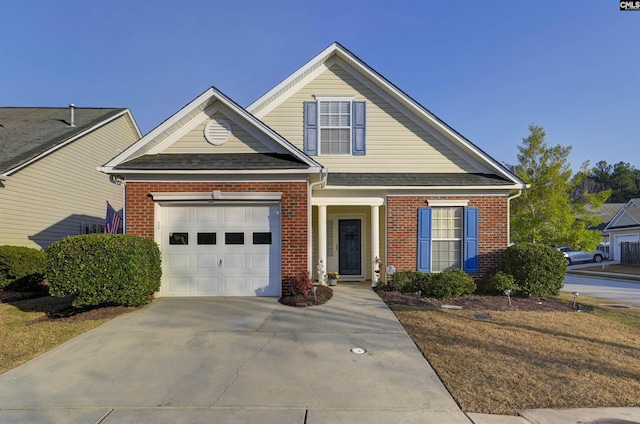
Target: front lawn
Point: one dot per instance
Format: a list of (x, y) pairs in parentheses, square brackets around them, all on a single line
[(521, 359), (30, 327)]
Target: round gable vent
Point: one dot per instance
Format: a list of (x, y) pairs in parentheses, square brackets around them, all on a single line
[(217, 131)]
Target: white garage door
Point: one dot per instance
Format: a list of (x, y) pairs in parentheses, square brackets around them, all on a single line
[(620, 239), (231, 250)]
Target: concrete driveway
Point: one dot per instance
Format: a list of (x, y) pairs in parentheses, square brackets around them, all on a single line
[(229, 360)]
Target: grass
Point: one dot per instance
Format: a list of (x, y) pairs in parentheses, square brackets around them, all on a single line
[(613, 268), (25, 333), (521, 360)]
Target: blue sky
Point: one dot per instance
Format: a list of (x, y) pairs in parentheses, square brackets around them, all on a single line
[(487, 68)]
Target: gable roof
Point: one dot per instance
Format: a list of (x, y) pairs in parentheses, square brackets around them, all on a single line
[(632, 212), (29, 133), (633, 203), (142, 156), (278, 94)]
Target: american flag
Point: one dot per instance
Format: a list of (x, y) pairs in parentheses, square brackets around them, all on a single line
[(112, 223)]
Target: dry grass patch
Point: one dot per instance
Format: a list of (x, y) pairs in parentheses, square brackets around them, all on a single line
[(614, 268), (29, 328), (518, 360)]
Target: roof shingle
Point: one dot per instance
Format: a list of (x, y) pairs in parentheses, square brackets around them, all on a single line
[(27, 132)]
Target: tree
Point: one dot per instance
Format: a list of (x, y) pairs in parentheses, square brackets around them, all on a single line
[(546, 212)]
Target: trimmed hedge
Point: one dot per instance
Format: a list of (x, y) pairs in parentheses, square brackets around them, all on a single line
[(21, 266), (99, 269), (410, 281), (499, 282), (537, 269), (450, 284)]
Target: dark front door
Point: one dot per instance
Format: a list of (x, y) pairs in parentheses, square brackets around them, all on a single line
[(350, 255)]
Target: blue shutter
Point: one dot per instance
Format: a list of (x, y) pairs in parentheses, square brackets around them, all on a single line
[(424, 239), (358, 120), (311, 128), (471, 240)]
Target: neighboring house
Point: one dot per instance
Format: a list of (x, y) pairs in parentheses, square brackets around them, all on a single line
[(606, 212), (625, 226), (49, 185), (329, 170)]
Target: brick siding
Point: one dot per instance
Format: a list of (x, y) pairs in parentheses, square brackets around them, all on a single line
[(402, 230), (295, 235)]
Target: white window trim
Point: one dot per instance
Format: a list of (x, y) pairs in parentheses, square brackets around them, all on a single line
[(335, 98), (445, 203), (449, 204)]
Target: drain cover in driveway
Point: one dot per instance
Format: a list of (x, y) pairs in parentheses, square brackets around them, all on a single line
[(358, 350)]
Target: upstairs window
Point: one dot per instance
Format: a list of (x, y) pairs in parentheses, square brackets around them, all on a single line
[(334, 126)]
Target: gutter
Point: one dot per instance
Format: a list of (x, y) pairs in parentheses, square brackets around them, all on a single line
[(4, 177), (509, 199)]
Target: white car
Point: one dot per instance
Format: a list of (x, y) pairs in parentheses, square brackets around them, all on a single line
[(572, 256)]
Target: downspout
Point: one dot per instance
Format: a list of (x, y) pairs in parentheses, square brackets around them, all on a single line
[(323, 182), (509, 199)]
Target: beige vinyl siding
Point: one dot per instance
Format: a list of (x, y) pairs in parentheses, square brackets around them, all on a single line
[(393, 141), (52, 197), (240, 141)]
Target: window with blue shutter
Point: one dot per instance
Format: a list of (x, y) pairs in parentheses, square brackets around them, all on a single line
[(311, 128), (424, 240), (447, 238), (358, 128), (471, 240), (335, 126)]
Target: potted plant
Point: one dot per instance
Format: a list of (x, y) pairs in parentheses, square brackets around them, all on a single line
[(332, 278)]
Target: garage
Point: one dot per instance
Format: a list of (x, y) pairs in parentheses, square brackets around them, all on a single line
[(221, 249), (617, 239)]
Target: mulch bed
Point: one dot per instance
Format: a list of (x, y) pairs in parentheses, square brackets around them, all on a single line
[(322, 296), (477, 302)]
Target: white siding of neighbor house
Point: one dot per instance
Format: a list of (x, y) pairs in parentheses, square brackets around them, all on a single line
[(394, 142), (240, 141), (51, 198)]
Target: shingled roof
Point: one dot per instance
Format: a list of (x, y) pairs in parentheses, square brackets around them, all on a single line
[(28, 132), (407, 179), (212, 162)]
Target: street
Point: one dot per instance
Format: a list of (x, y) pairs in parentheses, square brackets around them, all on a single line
[(627, 292)]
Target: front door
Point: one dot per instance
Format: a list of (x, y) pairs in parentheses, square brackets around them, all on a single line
[(350, 256)]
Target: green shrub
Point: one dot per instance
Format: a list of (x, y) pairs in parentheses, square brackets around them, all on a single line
[(538, 270), (500, 282), (20, 266), (410, 281), (450, 284), (99, 269)]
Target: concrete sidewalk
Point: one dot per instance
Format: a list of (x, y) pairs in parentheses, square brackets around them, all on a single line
[(240, 360)]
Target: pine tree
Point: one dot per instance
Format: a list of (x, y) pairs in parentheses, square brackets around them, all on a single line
[(546, 212)]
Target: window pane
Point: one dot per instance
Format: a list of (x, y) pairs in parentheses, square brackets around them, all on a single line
[(206, 238), (447, 223), (233, 238), (261, 238), (344, 107), (178, 238), (446, 254), (335, 142), (324, 107)]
